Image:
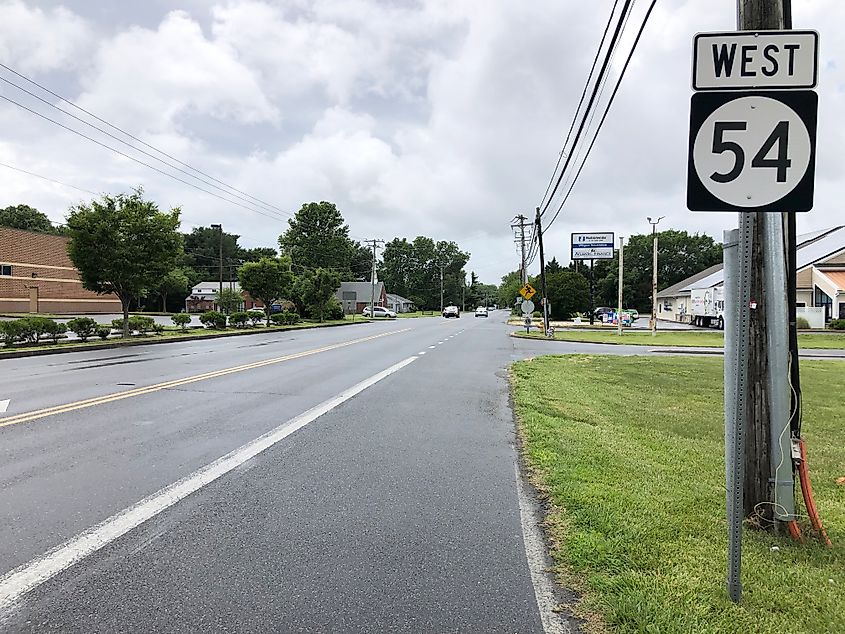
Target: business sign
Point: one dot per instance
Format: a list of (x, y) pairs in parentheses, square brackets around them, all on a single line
[(755, 60), (592, 246)]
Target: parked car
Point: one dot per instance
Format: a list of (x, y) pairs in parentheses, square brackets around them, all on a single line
[(255, 309), (603, 313), (481, 311), (451, 311), (379, 311)]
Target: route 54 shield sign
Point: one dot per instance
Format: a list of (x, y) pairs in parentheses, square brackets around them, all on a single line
[(752, 151)]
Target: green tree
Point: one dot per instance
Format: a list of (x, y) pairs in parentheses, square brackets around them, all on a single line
[(568, 293), (175, 282), (26, 218), (509, 289), (268, 280), (202, 253), (317, 289), (123, 245), (317, 237), (229, 300), (256, 253)]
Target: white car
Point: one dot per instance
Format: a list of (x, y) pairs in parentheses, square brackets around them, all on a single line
[(481, 311), (378, 311)]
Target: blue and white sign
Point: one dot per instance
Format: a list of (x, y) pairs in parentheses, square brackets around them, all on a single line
[(592, 246)]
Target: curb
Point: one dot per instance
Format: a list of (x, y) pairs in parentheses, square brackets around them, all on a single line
[(19, 354)]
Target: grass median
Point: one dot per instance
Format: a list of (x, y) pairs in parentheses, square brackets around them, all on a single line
[(630, 452), (679, 338)]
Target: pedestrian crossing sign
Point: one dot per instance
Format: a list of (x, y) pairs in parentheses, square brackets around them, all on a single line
[(527, 291)]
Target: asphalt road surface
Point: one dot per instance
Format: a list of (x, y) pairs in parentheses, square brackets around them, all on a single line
[(353, 479)]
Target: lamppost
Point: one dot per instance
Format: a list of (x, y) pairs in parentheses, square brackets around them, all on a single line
[(653, 323)]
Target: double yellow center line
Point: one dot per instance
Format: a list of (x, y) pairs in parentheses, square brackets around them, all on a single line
[(117, 396)]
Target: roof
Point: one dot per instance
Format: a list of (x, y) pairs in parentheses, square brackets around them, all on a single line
[(398, 299), (812, 248), (837, 277), (363, 290), (676, 289), (201, 289)]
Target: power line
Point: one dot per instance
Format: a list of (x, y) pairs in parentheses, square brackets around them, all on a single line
[(52, 180), (131, 136), (616, 33), (606, 110), (137, 160), (581, 100)]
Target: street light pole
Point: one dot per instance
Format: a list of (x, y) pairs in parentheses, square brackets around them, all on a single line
[(653, 324)]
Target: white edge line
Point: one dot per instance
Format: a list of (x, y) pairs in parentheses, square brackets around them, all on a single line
[(25, 578), (535, 552), (4, 405)]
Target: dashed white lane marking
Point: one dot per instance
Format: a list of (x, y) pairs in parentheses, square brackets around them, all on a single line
[(535, 552), (421, 352), (16, 583), (431, 347), (4, 405)]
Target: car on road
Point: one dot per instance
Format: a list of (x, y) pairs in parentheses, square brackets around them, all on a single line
[(379, 311), (481, 311), (603, 313), (451, 311)]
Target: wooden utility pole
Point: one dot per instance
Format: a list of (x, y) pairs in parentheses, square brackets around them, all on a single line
[(758, 15), (542, 273)]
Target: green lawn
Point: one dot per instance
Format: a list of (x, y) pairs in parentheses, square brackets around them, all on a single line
[(630, 452), (685, 338), (419, 313)]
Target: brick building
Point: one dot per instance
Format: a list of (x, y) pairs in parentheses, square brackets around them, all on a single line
[(36, 275)]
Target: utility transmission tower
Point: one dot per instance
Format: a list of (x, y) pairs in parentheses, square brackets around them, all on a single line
[(374, 244)]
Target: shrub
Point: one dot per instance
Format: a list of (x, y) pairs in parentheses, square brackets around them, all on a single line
[(55, 330), (837, 324), (213, 319), (103, 332), (158, 328), (141, 323), (84, 327), (36, 327), (334, 310), (26, 330), (537, 314), (10, 332), (801, 323), (181, 320), (284, 318), (255, 317), (117, 324), (239, 319)]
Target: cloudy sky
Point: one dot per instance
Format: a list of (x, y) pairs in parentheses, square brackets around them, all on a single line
[(417, 117)]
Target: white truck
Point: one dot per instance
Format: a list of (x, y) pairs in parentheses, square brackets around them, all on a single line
[(708, 307)]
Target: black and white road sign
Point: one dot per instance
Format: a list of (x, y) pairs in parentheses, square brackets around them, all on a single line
[(592, 246), (755, 60), (752, 151)]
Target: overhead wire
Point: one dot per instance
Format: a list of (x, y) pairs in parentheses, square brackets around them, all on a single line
[(47, 178), (602, 71), (606, 110), (133, 137), (581, 100)]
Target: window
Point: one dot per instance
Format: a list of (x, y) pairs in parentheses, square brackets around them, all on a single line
[(5, 269)]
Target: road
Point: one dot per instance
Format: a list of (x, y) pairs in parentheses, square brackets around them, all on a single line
[(393, 506)]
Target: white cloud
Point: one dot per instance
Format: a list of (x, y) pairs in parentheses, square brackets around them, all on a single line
[(36, 40)]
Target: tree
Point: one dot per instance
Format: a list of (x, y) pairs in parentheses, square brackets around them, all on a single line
[(174, 282), (317, 289), (256, 253), (123, 245), (202, 253), (267, 280), (26, 218), (553, 266), (361, 262), (318, 238), (568, 293), (229, 300), (509, 289)]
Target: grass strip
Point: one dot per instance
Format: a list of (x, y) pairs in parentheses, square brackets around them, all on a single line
[(630, 452), (680, 338)]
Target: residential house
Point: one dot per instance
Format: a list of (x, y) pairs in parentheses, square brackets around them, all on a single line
[(399, 304), (354, 296), (203, 297)]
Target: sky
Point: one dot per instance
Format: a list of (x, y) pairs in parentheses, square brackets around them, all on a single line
[(441, 118)]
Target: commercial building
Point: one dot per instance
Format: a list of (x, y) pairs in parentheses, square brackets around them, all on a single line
[(354, 296), (820, 288), (37, 276)]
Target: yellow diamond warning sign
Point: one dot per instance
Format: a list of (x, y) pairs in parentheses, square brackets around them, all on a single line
[(527, 291)]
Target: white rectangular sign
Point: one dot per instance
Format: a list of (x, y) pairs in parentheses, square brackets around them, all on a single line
[(746, 60), (592, 246)]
